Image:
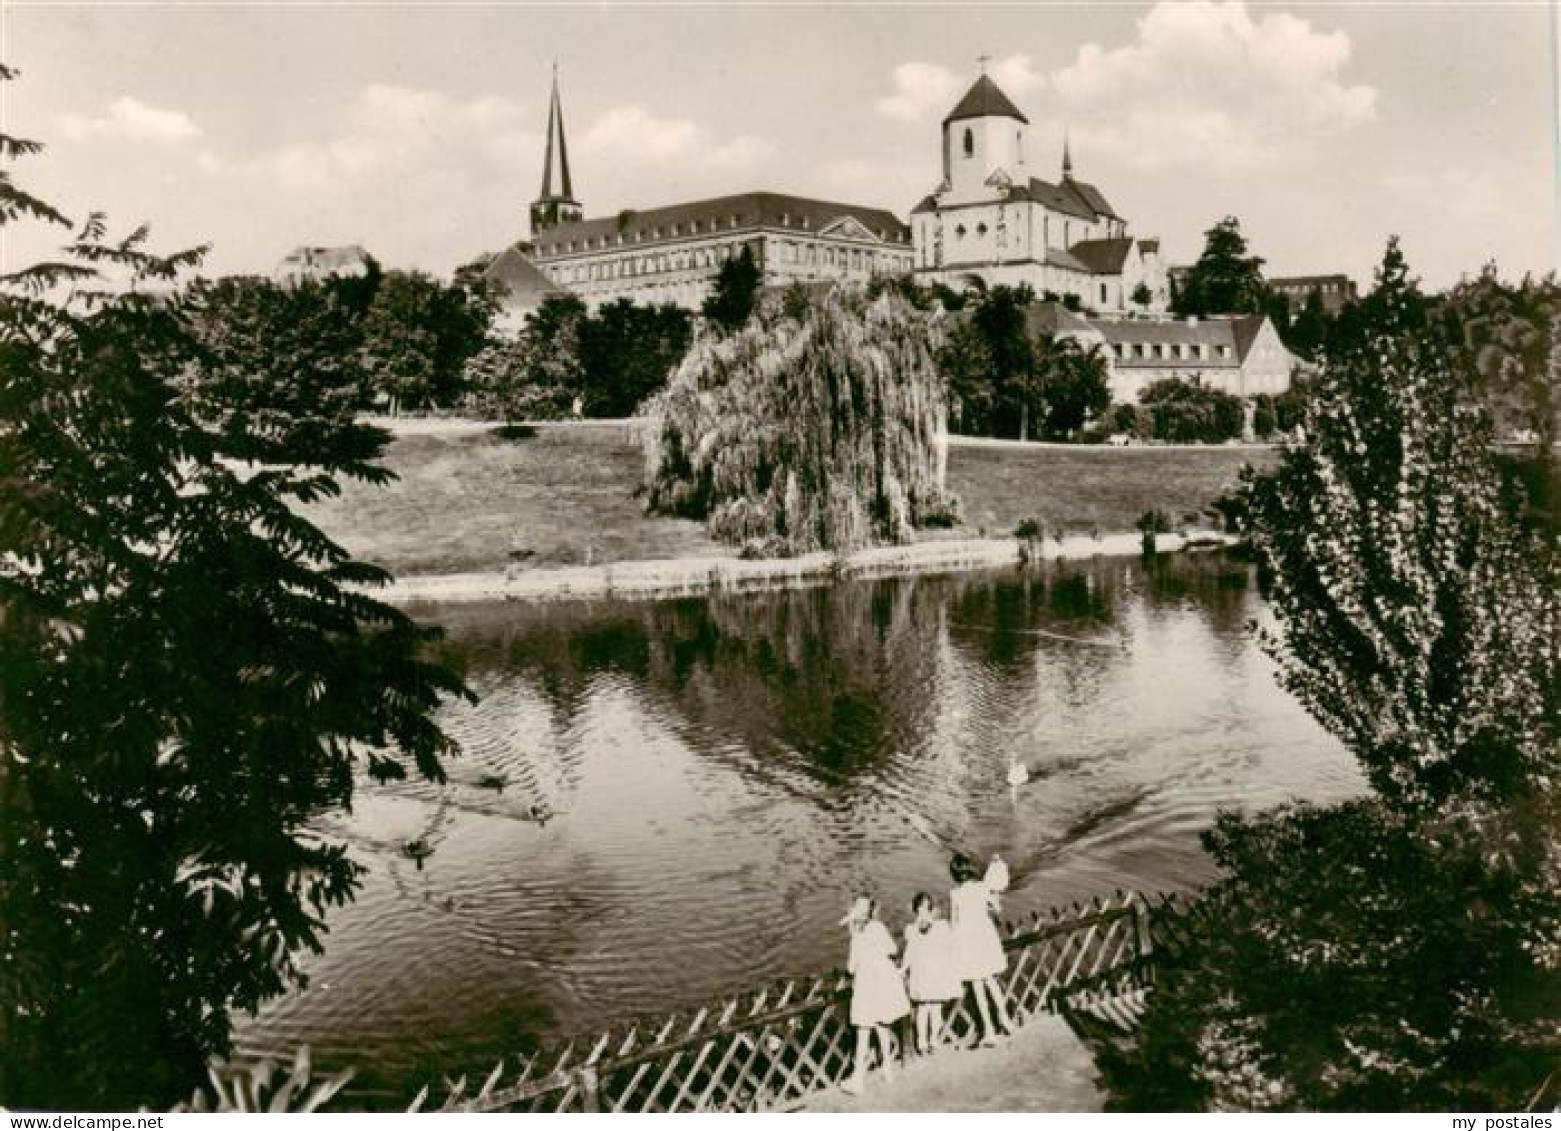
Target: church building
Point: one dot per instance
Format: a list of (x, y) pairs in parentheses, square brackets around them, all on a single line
[(990, 219), (673, 253)]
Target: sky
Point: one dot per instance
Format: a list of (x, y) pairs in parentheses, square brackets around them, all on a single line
[(416, 129)]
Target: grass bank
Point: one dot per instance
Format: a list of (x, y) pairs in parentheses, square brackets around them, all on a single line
[(470, 500)]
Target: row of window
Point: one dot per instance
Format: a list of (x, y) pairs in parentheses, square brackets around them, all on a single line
[(1166, 351), (811, 255), (691, 228)]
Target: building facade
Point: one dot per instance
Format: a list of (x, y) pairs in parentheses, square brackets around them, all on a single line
[(313, 264), (1240, 355), (1336, 291), (673, 254), (990, 219)]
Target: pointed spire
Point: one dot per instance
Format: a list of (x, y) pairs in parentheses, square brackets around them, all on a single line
[(1067, 158), (557, 204), (555, 142)]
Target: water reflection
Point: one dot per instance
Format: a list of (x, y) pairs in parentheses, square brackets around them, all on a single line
[(724, 772)]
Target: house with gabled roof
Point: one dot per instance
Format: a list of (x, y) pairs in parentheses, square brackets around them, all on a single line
[(1241, 355), (990, 219)]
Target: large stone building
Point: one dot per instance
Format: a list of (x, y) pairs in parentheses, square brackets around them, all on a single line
[(1240, 355), (990, 219), (673, 253)]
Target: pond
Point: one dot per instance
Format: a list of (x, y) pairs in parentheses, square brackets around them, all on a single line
[(721, 774)]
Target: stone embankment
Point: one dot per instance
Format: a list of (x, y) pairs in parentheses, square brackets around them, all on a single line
[(697, 576)]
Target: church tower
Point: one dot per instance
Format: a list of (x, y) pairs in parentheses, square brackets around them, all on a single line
[(983, 144), (556, 205)]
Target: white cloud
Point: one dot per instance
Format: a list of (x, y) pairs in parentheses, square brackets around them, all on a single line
[(1204, 85), (921, 92), (924, 92), (633, 134), (392, 131), (133, 120)]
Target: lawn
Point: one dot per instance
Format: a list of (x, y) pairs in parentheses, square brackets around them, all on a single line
[(473, 500), (1079, 489)]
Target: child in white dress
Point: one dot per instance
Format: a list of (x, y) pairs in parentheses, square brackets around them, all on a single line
[(930, 973), (978, 948), (877, 989)]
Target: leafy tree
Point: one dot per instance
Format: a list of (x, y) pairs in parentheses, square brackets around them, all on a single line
[(296, 348), (1184, 413), (1512, 334), (991, 367), (1225, 279), (1265, 415), (418, 335), (966, 365), (1143, 296), (1131, 420), (192, 672), (469, 275), (627, 352), (1071, 384), (1402, 951), (1432, 602), (537, 375), (736, 290), (793, 436), (1307, 333)]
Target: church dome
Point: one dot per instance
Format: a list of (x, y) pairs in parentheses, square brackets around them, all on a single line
[(984, 100)]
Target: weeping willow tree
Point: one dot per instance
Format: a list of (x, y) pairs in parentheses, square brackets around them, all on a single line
[(819, 425)]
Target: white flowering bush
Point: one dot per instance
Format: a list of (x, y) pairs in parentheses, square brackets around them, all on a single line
[(1402, 951)]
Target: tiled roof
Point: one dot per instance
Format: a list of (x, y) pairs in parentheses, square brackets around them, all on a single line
[(744, 211), (1092, 197), (1057, 198), (520, 282), (984, 100), (1075, 198), (1103, 257), (1214, 333), (1053, 318), (1056, 257), (1246, 328)]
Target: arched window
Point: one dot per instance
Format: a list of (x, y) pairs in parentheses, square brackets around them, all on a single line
[(970, 143)]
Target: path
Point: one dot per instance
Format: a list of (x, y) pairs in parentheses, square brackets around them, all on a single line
[(1043, 1068)]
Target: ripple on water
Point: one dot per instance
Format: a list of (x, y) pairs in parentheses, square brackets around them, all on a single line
[(721, 777)]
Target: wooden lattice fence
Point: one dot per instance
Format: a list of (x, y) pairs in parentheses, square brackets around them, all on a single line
[(772, 1048)]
